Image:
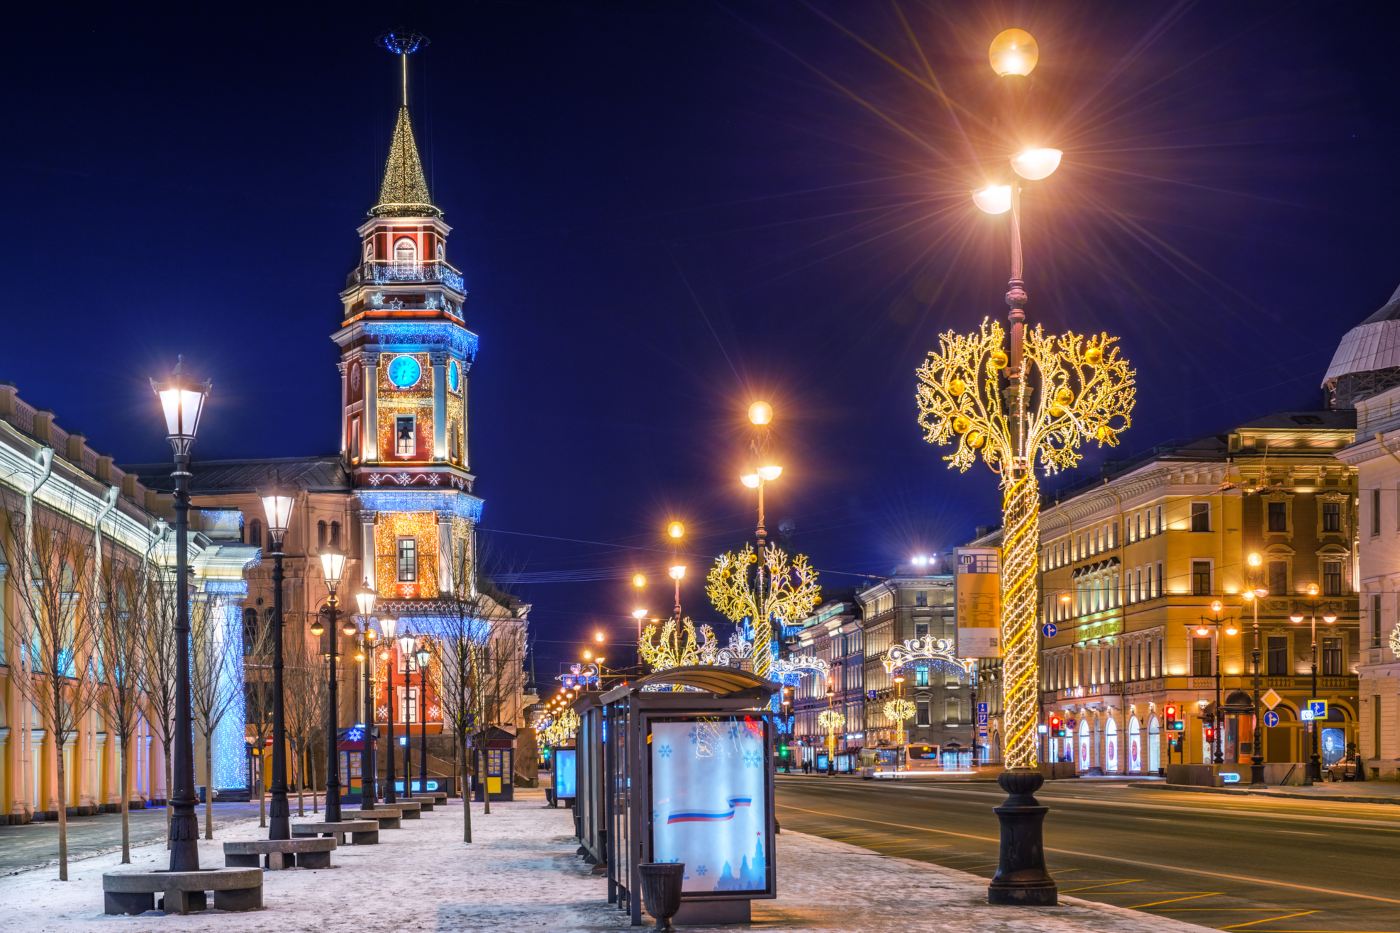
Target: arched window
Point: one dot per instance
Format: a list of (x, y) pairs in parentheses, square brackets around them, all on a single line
[(335, 534), (255, 533), (369, 250), (320, 535), (405, 250)]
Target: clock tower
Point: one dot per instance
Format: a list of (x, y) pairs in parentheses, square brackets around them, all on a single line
[(405, 357)]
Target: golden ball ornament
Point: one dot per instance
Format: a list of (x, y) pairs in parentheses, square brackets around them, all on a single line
[(1093, 356), (957, 387), (1063, 395), (961, 424), (999, 359), (975, 440)]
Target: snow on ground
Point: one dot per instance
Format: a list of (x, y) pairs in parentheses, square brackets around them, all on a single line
[(521, 874)]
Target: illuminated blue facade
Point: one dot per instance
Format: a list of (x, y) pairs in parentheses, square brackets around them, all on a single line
[(230, 748), (460, 504)]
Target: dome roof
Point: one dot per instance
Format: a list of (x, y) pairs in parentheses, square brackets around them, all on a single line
[(1368, 358)]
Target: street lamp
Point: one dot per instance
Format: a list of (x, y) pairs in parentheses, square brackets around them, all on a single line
[(1020, 401), (639, 614), (364, 601), (332, 566), (424, 655), (677, 573), (1314, 771), (1207, 625), (407, 645), (277, 507), (182, 402), (1254, 597), (388, 627)]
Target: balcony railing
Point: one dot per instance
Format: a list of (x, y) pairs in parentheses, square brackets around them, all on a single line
[(399, 273)]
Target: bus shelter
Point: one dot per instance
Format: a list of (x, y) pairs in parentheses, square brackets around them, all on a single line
[(688, 777), (588, 770)]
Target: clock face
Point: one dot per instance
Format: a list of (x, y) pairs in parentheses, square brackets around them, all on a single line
[(454, 376), (404, 372)]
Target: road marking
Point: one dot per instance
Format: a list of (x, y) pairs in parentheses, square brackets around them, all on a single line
[(1300, 832), (1241, 926), (1138, 863), (1173, 900), (1105, 884)]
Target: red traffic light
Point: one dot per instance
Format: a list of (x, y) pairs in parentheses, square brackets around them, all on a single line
[(1171, 711), (1210, 733), (1054, 722)]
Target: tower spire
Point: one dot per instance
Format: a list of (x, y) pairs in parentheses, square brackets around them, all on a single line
[(404, 189)]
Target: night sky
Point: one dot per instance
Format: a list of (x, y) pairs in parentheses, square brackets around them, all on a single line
[(665, 209)]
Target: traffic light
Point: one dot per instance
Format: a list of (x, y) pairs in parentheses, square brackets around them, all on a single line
[(1210, 734), (1173, 724), (1057, 727)]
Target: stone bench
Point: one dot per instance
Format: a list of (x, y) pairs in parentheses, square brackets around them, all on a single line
[(412, 809), (387, 816), (361, 832), (425, 804), (314, 852), (133, 892)]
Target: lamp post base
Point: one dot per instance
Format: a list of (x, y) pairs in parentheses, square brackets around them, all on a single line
[(1256, 772), (1021, 878)]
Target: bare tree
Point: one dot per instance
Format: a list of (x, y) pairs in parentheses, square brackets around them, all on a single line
[(120, 614), (158, 668), (215, 680), (53, 556), (305, 704), (258, 695)]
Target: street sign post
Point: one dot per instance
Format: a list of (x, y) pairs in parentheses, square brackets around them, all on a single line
[(1049, 629), (1271, 699), (1271, 719)]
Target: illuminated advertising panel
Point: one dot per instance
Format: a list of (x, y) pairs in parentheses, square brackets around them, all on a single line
[(565, 773), (710, 809)]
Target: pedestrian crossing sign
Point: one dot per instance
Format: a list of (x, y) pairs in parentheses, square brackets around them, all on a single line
[(1318, 709)]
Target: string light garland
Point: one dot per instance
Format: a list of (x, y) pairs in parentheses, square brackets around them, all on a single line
[(670, 645), (1069, 389), (765, 589)]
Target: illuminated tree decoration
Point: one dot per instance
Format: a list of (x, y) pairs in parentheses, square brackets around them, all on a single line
[(831, 720), (1069, 389), (671, 645), (1395, 641), (560, 729), (899, 710), (767, 590)]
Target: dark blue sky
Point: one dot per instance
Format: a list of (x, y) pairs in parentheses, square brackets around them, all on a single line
[(665, 209)]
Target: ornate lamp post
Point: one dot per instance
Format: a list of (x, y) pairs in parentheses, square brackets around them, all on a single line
[(407, 645), (1314, 772), (830, 720), (424, 655), (388, 627), (182, 402), (364, 601), (1253, 597), (332, 566), (277, 506), (765, 472), (1211, 625), (1032, 404)]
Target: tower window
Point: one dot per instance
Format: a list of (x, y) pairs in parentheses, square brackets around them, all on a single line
[(320, 535), (405, 435), (335, 534), (255, 533), (408, 560), (369, 250), (405, 250)]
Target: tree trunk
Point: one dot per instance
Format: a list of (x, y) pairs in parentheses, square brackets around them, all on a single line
[(311, 770), (169, 778), (459, 761), (62, 811), (262, 796), (301, 783), (209, 785), (126, 806)]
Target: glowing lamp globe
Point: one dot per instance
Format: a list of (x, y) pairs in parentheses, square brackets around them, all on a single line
[(277, 506), (332, 567), (347, 628), (1254, 560), (182, 402), (1329, 617), (993, 199), (677, 572), (639, 580), (1013, 52), (1036, 164), (388, 627), (676, 530), (760, 413), (639, 614), (770, 472), (406, 644), (750, 480)]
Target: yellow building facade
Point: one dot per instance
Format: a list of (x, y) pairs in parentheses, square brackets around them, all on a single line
[(1132, 571)]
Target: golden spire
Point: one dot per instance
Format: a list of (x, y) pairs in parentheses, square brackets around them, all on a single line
[(404, 190)]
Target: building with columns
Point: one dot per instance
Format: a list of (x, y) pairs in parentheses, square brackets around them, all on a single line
[(104, 516)]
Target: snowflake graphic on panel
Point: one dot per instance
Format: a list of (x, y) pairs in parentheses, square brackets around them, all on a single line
[(701, 870), (752, 759), (734, 730), (664, 751), (694, 735)]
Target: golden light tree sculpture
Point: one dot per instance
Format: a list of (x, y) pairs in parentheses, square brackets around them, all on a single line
[(831, 720), (674, 644), (1018, 414), (899, 711), (766, 587)]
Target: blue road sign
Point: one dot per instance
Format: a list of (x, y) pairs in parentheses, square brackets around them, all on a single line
[(1318, 708), (1048, 630), (982, 715), (1271, 719)]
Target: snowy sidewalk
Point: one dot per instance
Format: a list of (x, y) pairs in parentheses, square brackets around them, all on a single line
[(521, 874)]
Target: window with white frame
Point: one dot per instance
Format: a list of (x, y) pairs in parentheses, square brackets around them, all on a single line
[(407, 560), (405, 435), (405, 250), (1200, 516)]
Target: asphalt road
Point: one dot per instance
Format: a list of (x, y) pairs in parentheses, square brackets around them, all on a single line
[(1235, 863)]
